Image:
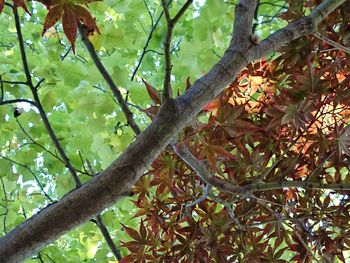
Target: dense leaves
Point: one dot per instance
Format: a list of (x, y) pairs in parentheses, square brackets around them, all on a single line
[(283, 120)]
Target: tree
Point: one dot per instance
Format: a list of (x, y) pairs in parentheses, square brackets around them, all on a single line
[(250, 162)]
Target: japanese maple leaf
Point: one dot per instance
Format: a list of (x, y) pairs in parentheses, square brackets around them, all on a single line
[(2, 3), (71, 14), (344, 140), (16, 3)]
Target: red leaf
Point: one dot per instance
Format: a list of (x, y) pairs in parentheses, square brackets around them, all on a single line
[(2, 3), (69, 23), (54, 14), (188, 83), (143, 231), (240, 127), (153, 93), (50, 3), (151, 111), (82, 14), (21, 4), (132, 233), (222, 152)]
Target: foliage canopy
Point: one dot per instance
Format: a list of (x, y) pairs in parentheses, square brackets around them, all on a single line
[(261, 174)]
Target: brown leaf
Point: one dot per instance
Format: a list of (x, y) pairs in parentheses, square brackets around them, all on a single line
[(21, 3), (2, 3), (69, 23), (154, 94), (132, 233), (188, 83), (82, 14), (239, 128), (55, 13)]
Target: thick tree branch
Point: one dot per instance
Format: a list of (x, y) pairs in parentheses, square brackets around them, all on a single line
[(303, 26), (243, 23), (114, 183)]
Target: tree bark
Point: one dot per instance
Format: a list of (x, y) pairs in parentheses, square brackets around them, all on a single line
[(115, 182)]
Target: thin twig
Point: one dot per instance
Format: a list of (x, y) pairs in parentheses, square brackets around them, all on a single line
[(145, 48), (6, 202), (171, 22), (37, 100), (116, 92), (108, 237), (36, 143), (14, 101), (226, 186), (13, 82), (332, 43), (2, 89), (30, 171)]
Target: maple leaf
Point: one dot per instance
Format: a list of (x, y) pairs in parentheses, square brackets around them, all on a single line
[(71, 14), (21, 3), (17, 3), (154, 94), (344, 140), (2, 3)]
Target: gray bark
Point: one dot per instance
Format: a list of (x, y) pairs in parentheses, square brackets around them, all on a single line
[(115, 182)]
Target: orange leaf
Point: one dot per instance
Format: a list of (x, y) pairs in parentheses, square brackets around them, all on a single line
[(69, 23), (213, 105), (54, 14)]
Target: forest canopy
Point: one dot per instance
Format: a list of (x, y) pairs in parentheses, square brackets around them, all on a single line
[(174, 130)]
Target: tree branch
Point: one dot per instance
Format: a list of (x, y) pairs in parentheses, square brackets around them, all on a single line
[(167, 90), (14, 101), (243, 23), (37, 100), (332, 43), (226, 186), (145, 48), (300, 27), (32, 173), (128, 114), (50, 130), (108, 237), (114, 182)]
